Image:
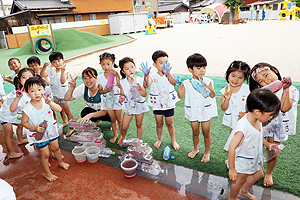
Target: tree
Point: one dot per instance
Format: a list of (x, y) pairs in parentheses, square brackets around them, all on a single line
[(233, 6)]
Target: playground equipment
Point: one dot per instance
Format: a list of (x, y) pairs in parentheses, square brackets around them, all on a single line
[(137, 7), (216, 11), (41, 38), (263, 13), (289, 11), (164, 20), (151, 25)]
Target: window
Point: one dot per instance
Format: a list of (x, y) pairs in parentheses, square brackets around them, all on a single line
[(275, 6), (54, 20), (143, 2), (78, 18), (92, 16)]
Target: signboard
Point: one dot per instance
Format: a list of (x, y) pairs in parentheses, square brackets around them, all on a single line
[(40, 30)]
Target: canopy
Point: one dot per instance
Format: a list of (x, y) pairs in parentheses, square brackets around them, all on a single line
[(220, 9)]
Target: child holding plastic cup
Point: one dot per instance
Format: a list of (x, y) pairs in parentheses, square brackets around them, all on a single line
[(235, 94), (36, 113), (278, 129), (110, 90), (200, 103), (134, 103), (245, 165)]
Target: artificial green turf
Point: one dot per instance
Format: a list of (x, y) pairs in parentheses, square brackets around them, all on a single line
[(285, 174)]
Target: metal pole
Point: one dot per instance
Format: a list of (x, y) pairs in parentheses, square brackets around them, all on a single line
[(3, 10)]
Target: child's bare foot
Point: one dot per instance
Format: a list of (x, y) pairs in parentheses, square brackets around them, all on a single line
[(247, 194), (64, 165), (158, 143), (193, 153), (50, 177), (205, 158), (15, 155), (175, 145), (120, 141), (22, 141), (113, 139), (268, 181), (65, 124), (70, 131)]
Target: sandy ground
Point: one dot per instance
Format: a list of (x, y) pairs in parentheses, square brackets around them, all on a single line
[(275, 42)]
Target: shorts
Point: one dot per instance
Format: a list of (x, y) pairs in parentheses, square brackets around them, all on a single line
[(2, 123), (43, 144), (166, 113), (57, 100)]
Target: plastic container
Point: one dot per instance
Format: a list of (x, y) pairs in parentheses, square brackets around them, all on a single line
[(110, 80), (129, 167), (153, 169), (274, 86), (269, 154), (79, 153), (135, 93), (92, 154), (73, 123), (166, 155), (106, 152), (199, 85), (140, 150), (40, 135), (132, 142)]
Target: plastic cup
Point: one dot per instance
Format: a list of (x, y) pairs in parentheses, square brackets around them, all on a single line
[(92, 154), (79, 154), (129, 167)]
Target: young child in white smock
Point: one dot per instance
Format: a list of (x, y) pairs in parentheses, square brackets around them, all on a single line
[(245, 143), (199, 108), (36, 113), (110, 96), (235, 94), (133, 98), (162, 96)]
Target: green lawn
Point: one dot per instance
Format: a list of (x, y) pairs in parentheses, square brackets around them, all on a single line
[(286, 173)]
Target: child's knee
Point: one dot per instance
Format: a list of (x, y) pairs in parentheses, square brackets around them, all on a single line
[(139, 125), (159, 125), (206, 134), (170, 125)]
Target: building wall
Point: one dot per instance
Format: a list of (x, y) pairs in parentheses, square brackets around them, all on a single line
[(100, 5), (182, 9)]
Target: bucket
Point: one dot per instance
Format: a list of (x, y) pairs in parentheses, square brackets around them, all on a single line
[(92, 154), (79, 154), (129, 167)]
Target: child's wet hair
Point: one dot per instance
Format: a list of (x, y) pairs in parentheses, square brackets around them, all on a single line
[(89, 71), (32, 60), (196, 60), (109, 56), (56, 56), (122, 62), (14, 59), (252, 83), (36, 80), (157, 54), (264, 100), (238, 65), (17, 81)]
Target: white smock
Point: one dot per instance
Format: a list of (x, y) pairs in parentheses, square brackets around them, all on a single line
[(249, 155), (237, 103), (58, 90), (2, 92), (110, 99), (13, 117), (129, 106), (162, 95), (197, 107), (36, 117)]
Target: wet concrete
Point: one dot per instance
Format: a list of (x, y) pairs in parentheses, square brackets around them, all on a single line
[(105, 179)]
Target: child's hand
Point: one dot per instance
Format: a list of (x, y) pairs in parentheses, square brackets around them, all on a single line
[(241, 114), (7, 78), (39, 129), (167, 68), (138, 86), (178, 80), (19, 92), (108, 89), (72, 82), (145, 69), (114, 72), (63, 67), (287, 82), (227, 93), (121, 98), (232, 174), (47, 98), (46, 64), (85, 118)]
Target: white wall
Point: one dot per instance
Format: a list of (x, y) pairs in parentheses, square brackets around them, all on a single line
[(181, 17)]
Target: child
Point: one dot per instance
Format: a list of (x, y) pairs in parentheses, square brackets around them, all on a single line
[(59, 86), (162, 96), (198, 109), (34, 114), (35, 63), (2, 92), (14, 65), (262, 74), (110, 95), (11, 112), (245, 167), (131, 107), (235, 94)]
